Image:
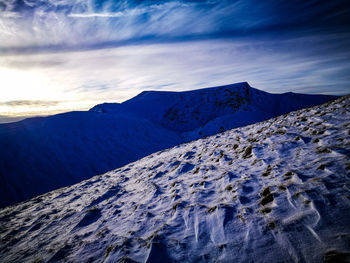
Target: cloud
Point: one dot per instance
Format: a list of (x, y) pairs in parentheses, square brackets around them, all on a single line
[(127, 12), (29, 103), (118, 14), (73, 25), (29, 63)]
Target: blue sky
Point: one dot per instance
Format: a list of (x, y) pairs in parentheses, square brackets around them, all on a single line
[(59, 55)]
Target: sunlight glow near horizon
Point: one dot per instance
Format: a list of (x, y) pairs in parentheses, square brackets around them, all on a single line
[(67, 55), (41, 84), (31, 92), (28, 85)]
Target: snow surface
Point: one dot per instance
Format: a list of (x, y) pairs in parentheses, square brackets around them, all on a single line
[(275, 191), (38, 155)]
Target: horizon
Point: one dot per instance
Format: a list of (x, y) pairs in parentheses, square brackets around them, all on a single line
[(10, 119), (60, 56)]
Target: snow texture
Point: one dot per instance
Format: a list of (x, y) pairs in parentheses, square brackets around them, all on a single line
[(275, 191), (42, 154)]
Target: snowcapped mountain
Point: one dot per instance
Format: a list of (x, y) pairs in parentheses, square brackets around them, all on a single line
[(274, 191), (41, 154), (204, 112)]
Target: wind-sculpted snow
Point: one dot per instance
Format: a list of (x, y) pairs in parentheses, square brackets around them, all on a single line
[(275, 191)]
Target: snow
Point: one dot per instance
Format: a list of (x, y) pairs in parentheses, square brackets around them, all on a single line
[(38, 155), (274, 191)]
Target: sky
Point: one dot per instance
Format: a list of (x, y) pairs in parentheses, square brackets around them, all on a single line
[(60, 55)]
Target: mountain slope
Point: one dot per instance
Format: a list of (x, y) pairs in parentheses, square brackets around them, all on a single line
[(41, 154), (275, 191), (184, 112)]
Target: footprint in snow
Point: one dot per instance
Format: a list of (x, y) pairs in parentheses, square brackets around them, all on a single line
[(189, 155), (91, 216), (110, 193), (186, 167), (160, 174), (231, 176), (247, 189), (244, 200)]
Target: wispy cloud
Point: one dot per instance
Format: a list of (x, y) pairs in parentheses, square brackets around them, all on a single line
[(29, 103), (308, 64), (30, 63), (129, 12), (68, 24), (84, 15)]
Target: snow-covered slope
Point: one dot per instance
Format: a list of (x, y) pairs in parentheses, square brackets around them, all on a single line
[(199, 113), (42, 154), (275, 191)]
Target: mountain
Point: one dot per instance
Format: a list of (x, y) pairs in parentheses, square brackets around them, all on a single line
[(274, 191), (41, 154), (204, 112)]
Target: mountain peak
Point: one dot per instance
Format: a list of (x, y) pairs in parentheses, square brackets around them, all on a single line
[(160, 93)]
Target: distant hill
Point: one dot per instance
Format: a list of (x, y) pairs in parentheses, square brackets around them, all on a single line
[(44, 153), (203, 112)]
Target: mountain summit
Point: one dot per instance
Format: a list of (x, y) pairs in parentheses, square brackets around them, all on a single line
[(204, 112), (41, 154)]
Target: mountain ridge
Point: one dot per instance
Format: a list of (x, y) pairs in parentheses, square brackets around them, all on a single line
[(204, 105), (63, 149)]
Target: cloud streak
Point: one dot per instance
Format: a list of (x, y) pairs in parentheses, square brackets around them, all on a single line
[(308, 64), (29, 103), (65, 24)]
